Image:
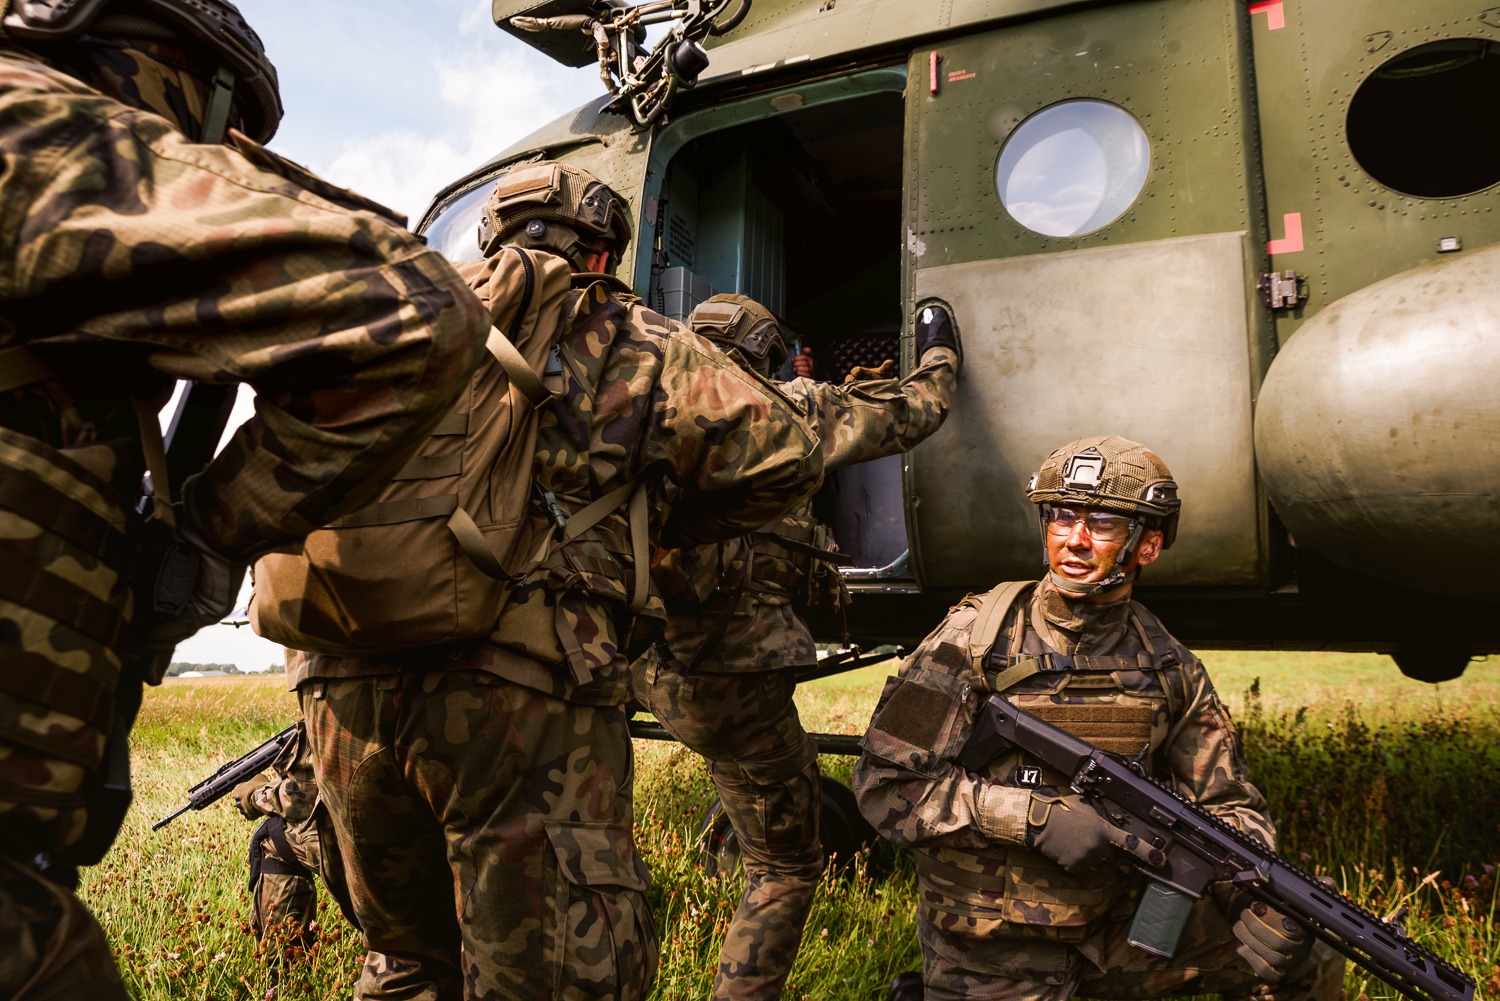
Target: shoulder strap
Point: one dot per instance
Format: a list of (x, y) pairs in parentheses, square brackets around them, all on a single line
[(992, 608), (1145, 623)]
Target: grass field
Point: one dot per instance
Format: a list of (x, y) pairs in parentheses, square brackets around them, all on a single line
[(1388, 785)]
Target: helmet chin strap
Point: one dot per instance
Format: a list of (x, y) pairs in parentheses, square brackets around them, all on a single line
[(1087, 589)]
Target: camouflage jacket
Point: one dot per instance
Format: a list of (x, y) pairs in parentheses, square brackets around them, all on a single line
[(641, 397), (977, 879), (138, 257), (855, 422)]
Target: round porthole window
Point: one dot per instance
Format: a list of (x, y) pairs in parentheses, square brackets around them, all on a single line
[(1073, 168), (1425, 124)]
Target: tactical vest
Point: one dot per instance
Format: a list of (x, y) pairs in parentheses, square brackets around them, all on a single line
[(795, 563), (67, 549), (1125, 703)]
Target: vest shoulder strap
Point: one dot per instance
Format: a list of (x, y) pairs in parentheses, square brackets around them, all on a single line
[(992, 608)]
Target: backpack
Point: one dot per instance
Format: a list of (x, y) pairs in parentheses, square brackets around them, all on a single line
[(429, 561)]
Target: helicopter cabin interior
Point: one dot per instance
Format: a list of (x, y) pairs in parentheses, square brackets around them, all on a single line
[(801, 212)]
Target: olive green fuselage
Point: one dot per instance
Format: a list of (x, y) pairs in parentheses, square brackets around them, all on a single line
[(1098, 193)]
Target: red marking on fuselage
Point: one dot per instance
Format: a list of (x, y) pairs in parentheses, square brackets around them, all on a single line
[(1293, 242), (1274, 11)]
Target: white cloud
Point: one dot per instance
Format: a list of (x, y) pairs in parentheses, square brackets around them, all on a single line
[(502, 96)]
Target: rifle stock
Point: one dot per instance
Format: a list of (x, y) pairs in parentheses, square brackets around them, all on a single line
[(1201, 849)]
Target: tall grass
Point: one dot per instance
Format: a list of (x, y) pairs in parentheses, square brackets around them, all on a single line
[(1394, 797)]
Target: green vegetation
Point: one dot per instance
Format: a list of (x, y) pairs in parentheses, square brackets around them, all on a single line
[(1385, 784)]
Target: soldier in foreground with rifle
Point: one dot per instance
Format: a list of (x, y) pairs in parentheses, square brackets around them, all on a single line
[(148, 238), (1026, 890)]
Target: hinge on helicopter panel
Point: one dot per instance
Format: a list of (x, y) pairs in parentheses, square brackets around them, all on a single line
[(1281, 291)]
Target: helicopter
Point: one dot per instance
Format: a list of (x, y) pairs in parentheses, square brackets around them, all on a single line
[(1259, 237)]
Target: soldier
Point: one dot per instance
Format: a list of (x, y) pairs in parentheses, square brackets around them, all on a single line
[(1023, 892), (722, 680), (149, 238), (291, 845), (482, 793)]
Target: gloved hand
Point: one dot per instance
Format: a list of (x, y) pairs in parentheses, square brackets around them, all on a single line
[(242, 794), (1071, 833), (181, 583), (1272, 943), (861, 373), (935, 330)]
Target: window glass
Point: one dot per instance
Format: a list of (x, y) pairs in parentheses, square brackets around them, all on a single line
[(1073, 168), (1424, 123), (454, 231)]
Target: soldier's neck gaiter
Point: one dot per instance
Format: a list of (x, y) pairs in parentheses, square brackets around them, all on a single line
[(1086, 628)]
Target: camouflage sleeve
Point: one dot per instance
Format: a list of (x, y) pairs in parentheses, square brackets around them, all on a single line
[(286, 797), (739, 448), (1207, 761), (860, 421), (227, 265), (909, 785), (293, 793)]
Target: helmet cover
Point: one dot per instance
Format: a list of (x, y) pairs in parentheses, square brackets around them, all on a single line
[(743, 327), (1112, 474), (552, 193), (216, 24)]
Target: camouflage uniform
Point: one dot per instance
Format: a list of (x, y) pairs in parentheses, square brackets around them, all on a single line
[(292, 845), (997, 920), (138, 257), (483, 795), (736, 708)]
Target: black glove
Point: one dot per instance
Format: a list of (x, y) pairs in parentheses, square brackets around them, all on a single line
[(934, 330), (1071, 833), (243, 797), (1272, 943), (181, 585)]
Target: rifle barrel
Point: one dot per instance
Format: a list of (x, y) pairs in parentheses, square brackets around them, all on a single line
[(163, 822)]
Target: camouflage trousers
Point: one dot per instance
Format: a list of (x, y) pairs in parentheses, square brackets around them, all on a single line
[(486, 835), (1105, 965), (51, 948), (765, 767), (283, 900)]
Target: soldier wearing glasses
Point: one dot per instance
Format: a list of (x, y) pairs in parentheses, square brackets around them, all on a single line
[(1024, 890)]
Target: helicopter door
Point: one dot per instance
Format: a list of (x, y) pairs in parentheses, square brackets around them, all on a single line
[(1081, 192)]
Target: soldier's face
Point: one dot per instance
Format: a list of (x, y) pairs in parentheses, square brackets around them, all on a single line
[(1084, 545)]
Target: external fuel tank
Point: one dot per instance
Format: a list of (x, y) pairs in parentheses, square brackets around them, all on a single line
[(1378, 428)]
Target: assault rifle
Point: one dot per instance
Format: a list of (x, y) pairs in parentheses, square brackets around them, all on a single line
[(1197, 848), (222, 782)]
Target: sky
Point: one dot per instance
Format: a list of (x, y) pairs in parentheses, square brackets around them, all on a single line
[(394, 106)]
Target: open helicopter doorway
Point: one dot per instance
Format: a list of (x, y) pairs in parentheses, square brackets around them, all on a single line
[(802, 212)]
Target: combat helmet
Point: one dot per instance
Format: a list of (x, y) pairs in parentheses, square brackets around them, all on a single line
[(744, 328), (1112, 474), (244, 77), (553, 205)]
